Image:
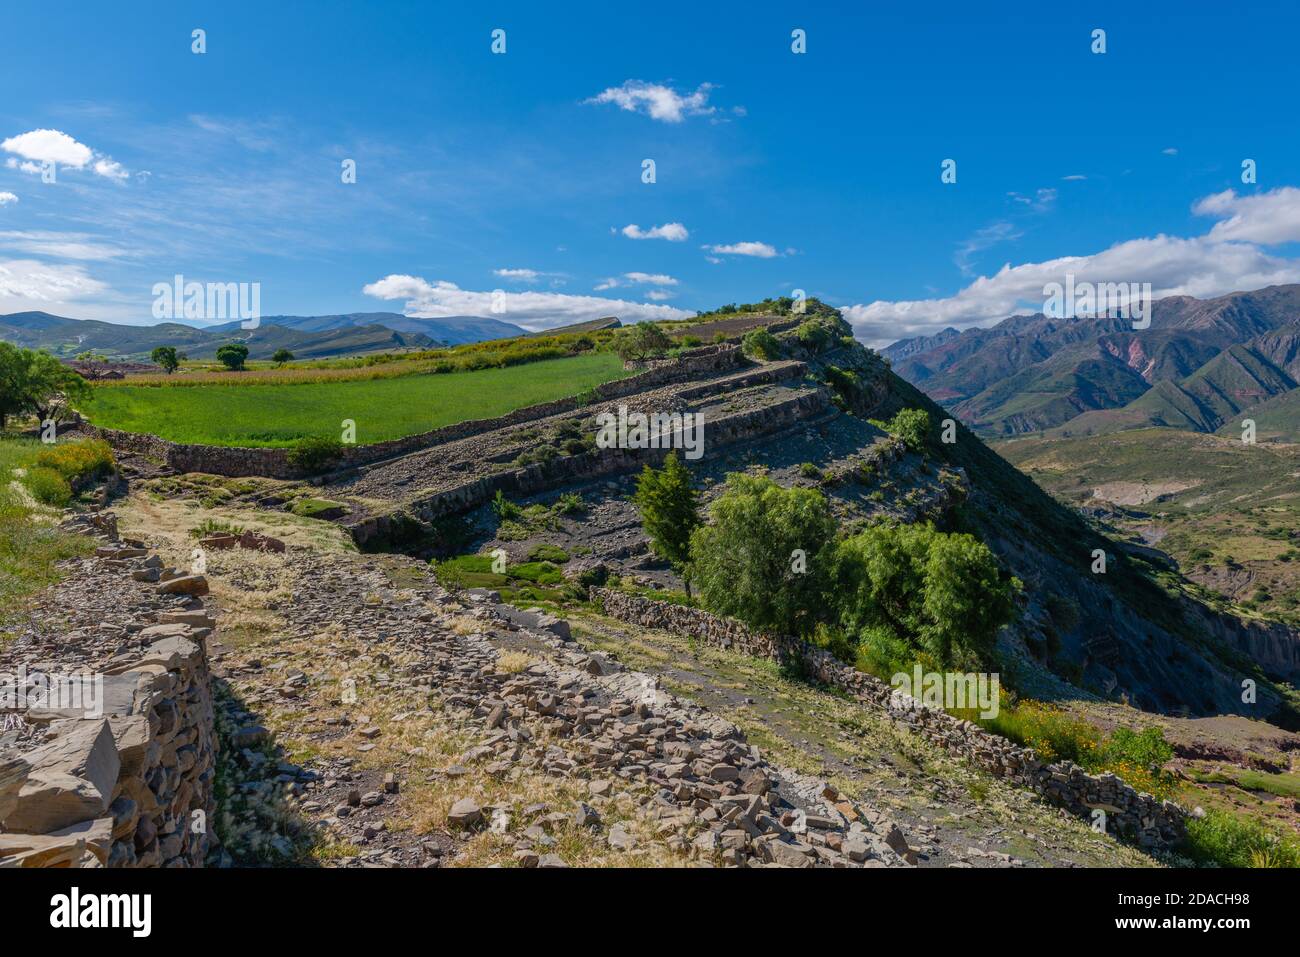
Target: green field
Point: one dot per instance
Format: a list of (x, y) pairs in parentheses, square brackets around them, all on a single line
[(262, 414)]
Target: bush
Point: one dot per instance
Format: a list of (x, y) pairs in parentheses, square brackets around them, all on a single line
[(760, 344), (504, 509), (808, 470), (744, 560), (48, 486), (643, 341), (816, 334), (88, 459), (315, 453), (570, 503), (912, 426), (548, 553)]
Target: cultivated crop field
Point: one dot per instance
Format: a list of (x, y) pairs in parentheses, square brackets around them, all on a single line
[(262, 414)]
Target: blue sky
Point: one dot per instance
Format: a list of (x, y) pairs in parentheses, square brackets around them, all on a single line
[(522, 172)]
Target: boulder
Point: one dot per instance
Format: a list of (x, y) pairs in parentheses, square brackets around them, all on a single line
[(72, 779), (184, 585)]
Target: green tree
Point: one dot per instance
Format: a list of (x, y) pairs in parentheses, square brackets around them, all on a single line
[(282, 356), (166, 357), (643, 341), (669, 505), (764, 556), (36, 383), (232, 355), (943, 593)]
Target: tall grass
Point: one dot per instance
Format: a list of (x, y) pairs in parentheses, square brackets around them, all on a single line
[(30, 545)]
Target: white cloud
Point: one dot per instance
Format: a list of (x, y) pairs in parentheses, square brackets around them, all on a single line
[(639, 278), (59, 245), (673, 232), (519, 275), (532, 310), (1227, 259), (1270, 217), (761, 250), (28, 284), (659, 295), (986, 238), (38, 147), (7, 198), (1074, 177), (1040, 202), (1171, 151), (657, 101)]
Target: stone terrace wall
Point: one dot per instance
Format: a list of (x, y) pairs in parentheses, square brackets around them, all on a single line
[(121, 789), (566, 470), (274, 463), (1149, 821)]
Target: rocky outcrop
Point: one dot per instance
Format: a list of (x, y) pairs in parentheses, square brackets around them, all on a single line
[(1150, 822)]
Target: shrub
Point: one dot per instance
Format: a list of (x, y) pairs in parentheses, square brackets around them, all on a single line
[(643, 341), (808, 470), (760, 344), (744, 559), (816, 334), (212, 526), (48, 486), (548, 553), (570, 503), (912, 426), (315, 453), (504, 509), (88, 459)]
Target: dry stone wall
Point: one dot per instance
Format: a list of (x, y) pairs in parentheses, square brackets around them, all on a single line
[(125, 778), (584, 466), (1150, 822), (274, 463)]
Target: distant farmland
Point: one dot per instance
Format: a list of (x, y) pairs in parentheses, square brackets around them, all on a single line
[(260, 414)]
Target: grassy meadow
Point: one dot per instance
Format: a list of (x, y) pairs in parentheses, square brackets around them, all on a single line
[(256, 412)]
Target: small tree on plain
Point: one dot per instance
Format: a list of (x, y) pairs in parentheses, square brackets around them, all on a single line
[(166, 357), (232, 356)]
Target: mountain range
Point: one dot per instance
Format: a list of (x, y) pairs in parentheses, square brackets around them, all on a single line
[(307, 337), (1200, 365)]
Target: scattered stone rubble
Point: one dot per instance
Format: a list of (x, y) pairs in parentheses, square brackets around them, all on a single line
[(1152, 823)]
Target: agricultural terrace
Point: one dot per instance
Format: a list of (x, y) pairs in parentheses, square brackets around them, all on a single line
[(268, 409)]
